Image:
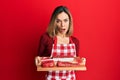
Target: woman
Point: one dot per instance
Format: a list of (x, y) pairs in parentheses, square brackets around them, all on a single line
[(58, 41)]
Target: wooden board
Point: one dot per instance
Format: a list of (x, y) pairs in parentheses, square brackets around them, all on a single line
[(80, 68)]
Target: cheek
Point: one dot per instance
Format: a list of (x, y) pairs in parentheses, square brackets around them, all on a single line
[(67, 25), (67, 28), (57, 24)]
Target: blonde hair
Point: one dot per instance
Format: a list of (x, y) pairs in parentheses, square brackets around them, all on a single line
[(52, 30)]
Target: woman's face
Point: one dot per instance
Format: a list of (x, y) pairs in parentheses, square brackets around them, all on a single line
[(62, 23)]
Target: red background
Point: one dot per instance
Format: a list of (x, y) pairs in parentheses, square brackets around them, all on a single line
[(96, 25)]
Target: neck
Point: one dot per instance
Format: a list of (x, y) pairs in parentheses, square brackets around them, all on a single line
[(61, 35)]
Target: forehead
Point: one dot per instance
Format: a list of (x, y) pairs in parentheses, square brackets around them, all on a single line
[(62, 16)]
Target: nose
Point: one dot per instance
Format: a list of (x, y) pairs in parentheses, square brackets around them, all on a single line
[(62, 24)]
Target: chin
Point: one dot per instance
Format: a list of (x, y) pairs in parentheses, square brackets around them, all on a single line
[(63, 33)]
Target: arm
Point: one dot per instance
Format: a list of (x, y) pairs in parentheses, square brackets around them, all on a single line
[(77, 45), (45, 45), (41, 47), (41, 50)]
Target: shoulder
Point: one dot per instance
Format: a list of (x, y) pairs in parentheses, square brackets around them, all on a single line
[(74, 39), (45, 37)]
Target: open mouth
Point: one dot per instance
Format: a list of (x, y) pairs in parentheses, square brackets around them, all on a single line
[(62, 30)]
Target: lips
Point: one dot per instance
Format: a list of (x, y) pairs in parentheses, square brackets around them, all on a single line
[(62, 30)]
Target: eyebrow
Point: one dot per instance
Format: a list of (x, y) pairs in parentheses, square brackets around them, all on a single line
[(63, 19)]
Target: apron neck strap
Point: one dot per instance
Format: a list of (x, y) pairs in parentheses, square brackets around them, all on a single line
[(55, 42)]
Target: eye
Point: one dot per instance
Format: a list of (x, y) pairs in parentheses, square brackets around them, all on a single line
[(57, 20), (65, 20)]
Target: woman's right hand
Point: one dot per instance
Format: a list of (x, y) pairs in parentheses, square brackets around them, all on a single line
[(83, 61), (37, 61)]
